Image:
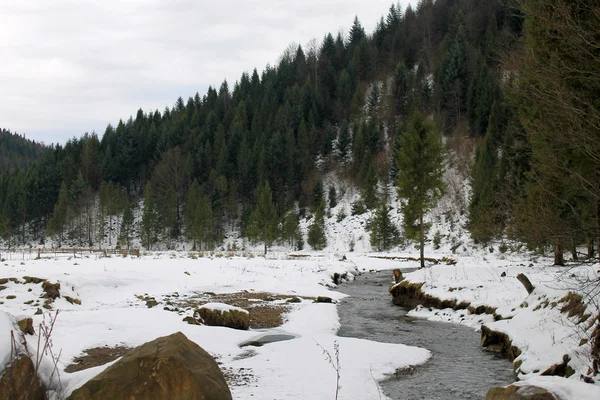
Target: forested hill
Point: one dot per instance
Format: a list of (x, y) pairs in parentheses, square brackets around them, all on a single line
[(251, 154), (16, 151)]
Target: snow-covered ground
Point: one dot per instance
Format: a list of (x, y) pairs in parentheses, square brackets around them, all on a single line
[(538, 324), (113, 312)]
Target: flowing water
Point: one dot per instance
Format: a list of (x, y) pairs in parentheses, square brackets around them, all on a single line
[(458, 369)]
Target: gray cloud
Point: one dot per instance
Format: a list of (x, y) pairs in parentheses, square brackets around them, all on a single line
[(73, 66)]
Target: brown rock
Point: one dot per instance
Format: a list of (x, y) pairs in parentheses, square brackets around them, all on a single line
[(52, 289), (19, 381), (170, 367), (513, 392), (26, 326)]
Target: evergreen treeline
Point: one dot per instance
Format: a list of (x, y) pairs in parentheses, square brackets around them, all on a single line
[(251, 155), (16, 151)]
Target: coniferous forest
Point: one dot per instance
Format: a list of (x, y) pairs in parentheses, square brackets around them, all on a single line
[(519, 80)]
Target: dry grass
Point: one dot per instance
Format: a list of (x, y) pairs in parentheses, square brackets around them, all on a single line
[(96, 357), (574, 306), (266, 310)]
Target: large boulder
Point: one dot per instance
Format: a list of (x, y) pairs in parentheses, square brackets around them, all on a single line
[(514, 392), (167, 368), (20, 382), (218, 314)]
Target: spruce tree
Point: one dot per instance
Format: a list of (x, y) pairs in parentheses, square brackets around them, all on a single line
[(384, 234), (420, 176), (203, 223), (56, 224), (126, 233), (264, 217), (316, 231), (189, 209), (149, 224), (291, 228), (343, 142), (332, 197)]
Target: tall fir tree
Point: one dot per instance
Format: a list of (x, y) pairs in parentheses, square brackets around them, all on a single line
[(419, 183), (316, 231), (58, 221), (264, 217), (149, 224)]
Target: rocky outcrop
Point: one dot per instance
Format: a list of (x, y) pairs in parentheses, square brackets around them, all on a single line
[(167, 368), (524, 392), (231, 317), (20, 382)]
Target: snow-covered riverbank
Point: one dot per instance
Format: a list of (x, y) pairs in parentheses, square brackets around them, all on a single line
[(114, 312)]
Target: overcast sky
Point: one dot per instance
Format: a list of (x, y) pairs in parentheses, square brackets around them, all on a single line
[(70, 66)]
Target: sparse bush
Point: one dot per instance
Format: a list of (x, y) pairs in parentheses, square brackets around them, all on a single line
[(341, 215), (503, 248)]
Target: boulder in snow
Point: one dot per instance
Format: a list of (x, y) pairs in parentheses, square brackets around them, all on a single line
[(167, 368)]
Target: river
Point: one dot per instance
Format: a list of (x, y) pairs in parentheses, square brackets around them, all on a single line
[(458, 369)]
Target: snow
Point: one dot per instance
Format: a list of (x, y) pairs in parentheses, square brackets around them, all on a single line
[(534, 322), (113, 311), (7, 324), (222, 307)]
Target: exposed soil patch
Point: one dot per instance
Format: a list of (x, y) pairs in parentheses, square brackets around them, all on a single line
[(96, 357), (267, 310)]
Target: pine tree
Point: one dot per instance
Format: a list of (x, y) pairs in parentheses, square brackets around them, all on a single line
[(126, 233), (316, 231), (384, 234), (189, 209), (332, 197), (56, 224), (291, 228), (370, 183), (264, 217), (149, 224), (356, 34), (343, 142), (203, 223), (420, 176)]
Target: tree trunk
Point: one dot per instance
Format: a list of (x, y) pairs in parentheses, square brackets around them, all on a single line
[(265, 248), (590, 247), (598, 223), (422, 239), (574, 250), (558, 254)]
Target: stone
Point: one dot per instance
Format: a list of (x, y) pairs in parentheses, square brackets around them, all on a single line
[(20, 382), (232, 318), (525, 392), (52, 290), (323, 299), (167, 368), (26, 326)]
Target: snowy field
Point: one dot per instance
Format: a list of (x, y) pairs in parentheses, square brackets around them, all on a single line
[(113, 312)]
